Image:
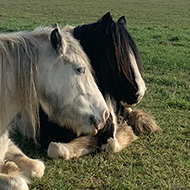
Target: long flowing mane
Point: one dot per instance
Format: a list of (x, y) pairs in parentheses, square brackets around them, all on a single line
[(19, 53), (109, 47), (123, 44)]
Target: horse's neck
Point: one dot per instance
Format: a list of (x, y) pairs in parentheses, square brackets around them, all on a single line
[(10, 105), (12, 108)]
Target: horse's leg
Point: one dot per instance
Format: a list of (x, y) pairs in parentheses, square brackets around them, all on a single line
[(124, 136), (141, 122), (82, 145), (4, 142), (29, 167), (10, 178), (13, 182), (76, 148)]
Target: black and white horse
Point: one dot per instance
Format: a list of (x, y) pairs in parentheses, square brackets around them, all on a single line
[(114, 58)]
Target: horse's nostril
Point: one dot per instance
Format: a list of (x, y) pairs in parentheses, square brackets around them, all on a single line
[(106, 115), (93, 120), (96, 120)]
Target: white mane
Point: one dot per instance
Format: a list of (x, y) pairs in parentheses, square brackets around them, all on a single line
[(18, 49)]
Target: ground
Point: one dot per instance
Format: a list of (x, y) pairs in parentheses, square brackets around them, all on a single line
[(162, 32)]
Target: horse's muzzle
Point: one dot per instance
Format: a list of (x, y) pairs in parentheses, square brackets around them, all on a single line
[(98, 123)]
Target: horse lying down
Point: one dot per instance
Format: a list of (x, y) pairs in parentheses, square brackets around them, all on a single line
[(118, 72), (116, 62), (38, 68)]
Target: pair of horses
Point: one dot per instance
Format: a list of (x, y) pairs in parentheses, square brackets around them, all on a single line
[(116, 63), (115, 60), (47, 69)]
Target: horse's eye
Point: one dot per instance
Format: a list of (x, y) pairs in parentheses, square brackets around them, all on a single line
[(80, 70)]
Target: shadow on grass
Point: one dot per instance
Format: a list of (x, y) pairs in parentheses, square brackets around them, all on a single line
[(28, 146)]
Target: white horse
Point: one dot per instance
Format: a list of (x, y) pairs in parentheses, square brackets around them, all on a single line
[(44, 67)]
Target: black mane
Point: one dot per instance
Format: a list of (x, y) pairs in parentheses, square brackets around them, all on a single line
[(108, 44)]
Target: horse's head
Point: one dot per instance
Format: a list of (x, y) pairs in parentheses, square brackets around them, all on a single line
[(66, 87), (114, 57)]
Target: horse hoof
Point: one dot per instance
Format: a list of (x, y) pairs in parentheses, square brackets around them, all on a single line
[(37, 168), (57, 150), (31, 167)]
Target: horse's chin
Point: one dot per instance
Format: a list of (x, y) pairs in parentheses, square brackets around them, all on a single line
[(96, 128), (94, 131)]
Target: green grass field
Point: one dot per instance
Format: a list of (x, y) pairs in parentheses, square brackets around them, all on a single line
[(161, 30)]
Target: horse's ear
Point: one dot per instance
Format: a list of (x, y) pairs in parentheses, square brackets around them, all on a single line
[(55, 25), (56, 40), (106, 20), (122, 21)]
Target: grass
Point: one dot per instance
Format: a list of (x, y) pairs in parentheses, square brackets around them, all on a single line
[(162, 32)]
